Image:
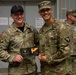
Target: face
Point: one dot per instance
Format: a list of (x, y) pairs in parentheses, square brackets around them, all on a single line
[(73, 18), (46, 14), (18, 18)]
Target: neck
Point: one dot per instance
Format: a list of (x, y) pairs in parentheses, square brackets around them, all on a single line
[(19, 24), (49, 21), (69, 21)]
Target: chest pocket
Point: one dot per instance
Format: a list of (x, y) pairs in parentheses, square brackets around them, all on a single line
[(15, 40), (42, 40), (29, 37), (51, 41), (52, 37)]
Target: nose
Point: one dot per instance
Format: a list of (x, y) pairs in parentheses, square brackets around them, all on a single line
[(19, 15)]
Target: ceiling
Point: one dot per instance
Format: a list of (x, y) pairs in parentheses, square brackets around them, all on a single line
[(28, 0), (52, 1)]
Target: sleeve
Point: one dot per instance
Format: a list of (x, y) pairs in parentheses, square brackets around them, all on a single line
[(63, 50), (4, 47), (36, 37)]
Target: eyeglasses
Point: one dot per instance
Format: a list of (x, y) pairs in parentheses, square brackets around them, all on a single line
[(43, 10)]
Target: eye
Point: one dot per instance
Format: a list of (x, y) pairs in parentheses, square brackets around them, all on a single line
[(19, 13), (43, 10), (47, 9)]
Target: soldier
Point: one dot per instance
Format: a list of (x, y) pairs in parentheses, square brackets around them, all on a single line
[(54, 43), (74, 45), (16, 37), (70, 19)]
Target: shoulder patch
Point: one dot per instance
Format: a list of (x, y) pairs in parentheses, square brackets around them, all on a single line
[(67, 39)]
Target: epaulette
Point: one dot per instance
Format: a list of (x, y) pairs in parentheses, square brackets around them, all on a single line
[(29, 26)]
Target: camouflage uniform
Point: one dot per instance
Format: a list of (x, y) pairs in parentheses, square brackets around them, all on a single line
[(73, 54), (74, 50), (12, 40), (54, 43), (70, 30)]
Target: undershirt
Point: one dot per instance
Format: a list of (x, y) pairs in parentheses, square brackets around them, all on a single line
[(21, 28)]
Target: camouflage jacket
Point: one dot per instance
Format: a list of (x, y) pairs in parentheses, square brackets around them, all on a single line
[(74, 39), (12, 40), (70, 29), (54, 43)]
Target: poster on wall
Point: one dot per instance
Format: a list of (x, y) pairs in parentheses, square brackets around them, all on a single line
[(3, 21), (10, 21), (39, 22), (62, 20)]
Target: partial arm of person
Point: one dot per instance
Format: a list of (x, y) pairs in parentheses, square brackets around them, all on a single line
[(4, 49), (36, 37)]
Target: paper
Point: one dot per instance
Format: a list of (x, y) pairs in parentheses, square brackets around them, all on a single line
[(39, 22), (3, 21)]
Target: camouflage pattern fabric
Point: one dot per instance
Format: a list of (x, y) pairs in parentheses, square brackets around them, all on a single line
[(12, 40), (54, 43), (74, 51), (74, 38), (71, 31)]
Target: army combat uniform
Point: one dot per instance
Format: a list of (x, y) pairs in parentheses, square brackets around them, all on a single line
[(74, 51), (12, 40), (54, 43), (74, 44), (70, 29)]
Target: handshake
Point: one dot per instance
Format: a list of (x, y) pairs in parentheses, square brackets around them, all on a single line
[(31, 51)]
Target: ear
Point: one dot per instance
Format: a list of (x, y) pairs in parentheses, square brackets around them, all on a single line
[(69, 16), (39, 12), (11, 15)]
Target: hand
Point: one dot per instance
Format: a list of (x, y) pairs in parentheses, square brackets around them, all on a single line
[(18, 58), (42, 54), (42, 57)]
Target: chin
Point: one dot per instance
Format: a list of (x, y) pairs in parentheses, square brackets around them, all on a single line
[(46, 19), (20, 21)]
